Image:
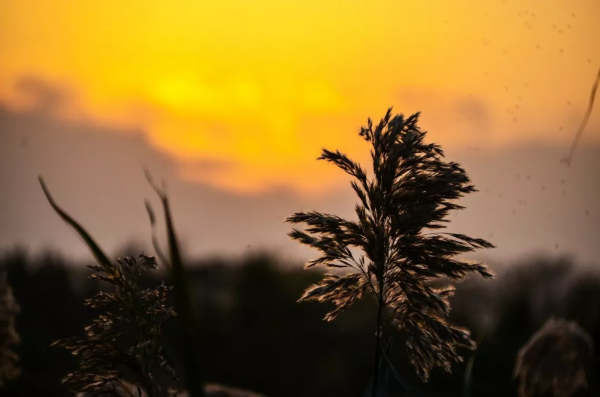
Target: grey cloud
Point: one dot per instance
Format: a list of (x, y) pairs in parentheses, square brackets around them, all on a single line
[(43, 96), (211, 165), (96, 173)]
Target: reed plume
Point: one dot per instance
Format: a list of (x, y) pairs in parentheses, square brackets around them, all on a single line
[(555, 361), (124, 341), (411, 191)]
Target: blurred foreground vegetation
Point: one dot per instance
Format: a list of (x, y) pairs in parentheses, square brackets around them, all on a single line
[(254, 335)]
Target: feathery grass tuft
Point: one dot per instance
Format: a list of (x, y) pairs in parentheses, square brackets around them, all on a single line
[(124, 342), (412, 190), (193, 378), (183, 302)]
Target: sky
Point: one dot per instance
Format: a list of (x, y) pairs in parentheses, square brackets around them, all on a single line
[(232, 101)]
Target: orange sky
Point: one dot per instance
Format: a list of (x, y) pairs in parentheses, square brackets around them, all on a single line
[(260, 86)]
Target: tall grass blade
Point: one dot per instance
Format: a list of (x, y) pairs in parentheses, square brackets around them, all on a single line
[(399, 378), (154, 237), (469, 370), (569, 157), (99, 255), (383, 378), (183, 304), (469, 376)]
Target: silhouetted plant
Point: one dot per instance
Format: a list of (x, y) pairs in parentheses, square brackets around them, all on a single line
[(8, 334), (555, 361), (124, 342), (411, 191), (193, 375), (103, 369), (183, 301)]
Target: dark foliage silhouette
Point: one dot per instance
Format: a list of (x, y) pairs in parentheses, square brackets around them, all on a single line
[(255, 336), (193, 379)]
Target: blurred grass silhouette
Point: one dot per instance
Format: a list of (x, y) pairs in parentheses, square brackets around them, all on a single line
[(9, 337)]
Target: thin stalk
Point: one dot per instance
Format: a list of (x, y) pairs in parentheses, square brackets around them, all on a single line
[(183, 303), (379, 312)]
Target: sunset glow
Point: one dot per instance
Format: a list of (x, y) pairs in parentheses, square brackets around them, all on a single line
[(244, 94)]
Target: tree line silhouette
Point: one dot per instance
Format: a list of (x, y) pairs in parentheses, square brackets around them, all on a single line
[(254, 335)]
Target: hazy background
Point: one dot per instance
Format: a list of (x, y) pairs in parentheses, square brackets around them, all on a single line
[(96, 174), (231, 102)]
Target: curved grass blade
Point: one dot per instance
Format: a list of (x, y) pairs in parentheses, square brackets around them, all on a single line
[(99, 255), (469, 369), (403, 382), (154, 237), (383, 383), (469, 372), (469, 376), (569, 157), (384, 378), (183, 303)]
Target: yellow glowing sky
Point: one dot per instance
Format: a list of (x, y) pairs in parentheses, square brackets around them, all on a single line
[(262, 85)]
